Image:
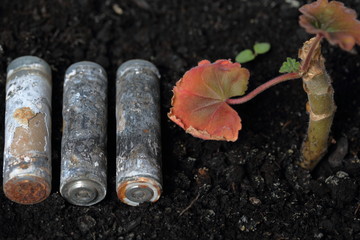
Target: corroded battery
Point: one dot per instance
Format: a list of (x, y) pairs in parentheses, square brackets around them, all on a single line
[(138, 157), (83, 145), (27, 150)]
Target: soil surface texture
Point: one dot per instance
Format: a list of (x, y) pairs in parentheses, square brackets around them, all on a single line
[(248, 189)]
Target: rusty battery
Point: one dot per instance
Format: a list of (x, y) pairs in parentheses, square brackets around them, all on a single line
[(83, 153), (138, 161), (27, 150)]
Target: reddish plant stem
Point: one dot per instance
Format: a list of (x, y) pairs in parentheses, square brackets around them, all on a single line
[(306, 63), (263, 87), (281, 78)]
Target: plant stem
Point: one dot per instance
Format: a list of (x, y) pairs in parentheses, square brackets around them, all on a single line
[(282, 78), (321, 106), (309, 56), (263, 87)]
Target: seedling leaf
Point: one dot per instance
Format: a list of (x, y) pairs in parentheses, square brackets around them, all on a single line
[(334, 21), (290, 66), (245, 56), (261, 48), (199, 102)]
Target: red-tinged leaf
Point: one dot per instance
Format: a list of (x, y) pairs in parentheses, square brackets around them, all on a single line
[(332, 20), (199, 101)]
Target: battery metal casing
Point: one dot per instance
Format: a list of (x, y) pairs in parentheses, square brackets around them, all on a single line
[(138, 157), (27, 150), (83, 147)]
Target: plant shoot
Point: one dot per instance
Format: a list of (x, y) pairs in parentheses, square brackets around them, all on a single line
[(201, 97)]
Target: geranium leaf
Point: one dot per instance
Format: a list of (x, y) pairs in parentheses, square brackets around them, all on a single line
[(261, 48), (332, 20), (199, 102), (245, 56)]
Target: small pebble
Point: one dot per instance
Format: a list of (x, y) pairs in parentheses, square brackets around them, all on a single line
[(293, 3), (342, 187), (117, 9), (254, 201), (85, 223), (143, 4)]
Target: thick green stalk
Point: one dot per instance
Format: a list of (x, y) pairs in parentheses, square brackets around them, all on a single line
[(321, 106)]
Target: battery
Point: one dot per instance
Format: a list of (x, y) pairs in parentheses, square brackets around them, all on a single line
[(27, 150), (83, 144), (138, 155)]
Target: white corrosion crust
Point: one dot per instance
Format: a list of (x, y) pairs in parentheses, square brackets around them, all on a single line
[(28, 114), (137, 66), (27, 149), (83, 151)]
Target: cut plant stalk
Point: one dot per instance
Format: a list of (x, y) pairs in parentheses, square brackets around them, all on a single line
[(321, 106)]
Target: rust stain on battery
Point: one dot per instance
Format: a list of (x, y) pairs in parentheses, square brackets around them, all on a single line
[(122, 188), (24, 165), (74, 160), (23, 115), (27, 191), (29, 139)]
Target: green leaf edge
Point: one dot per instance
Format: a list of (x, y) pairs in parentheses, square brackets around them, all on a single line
[(245, 56), (261, 48)]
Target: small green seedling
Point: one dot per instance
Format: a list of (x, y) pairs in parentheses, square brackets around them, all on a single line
[(290, 66), (248, 55), (200, 104)]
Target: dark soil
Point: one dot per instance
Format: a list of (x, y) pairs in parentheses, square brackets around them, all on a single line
[(249, 189)]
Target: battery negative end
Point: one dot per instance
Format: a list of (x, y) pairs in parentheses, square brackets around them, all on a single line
[(27, 189), (83, 192), (140, 190)]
